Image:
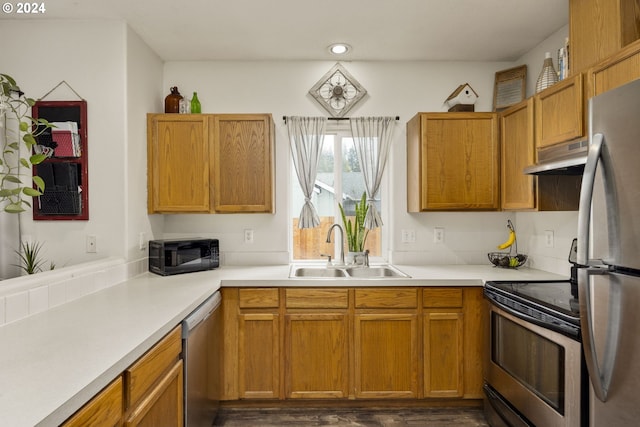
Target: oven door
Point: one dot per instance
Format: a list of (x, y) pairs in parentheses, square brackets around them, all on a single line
[(535, 370)]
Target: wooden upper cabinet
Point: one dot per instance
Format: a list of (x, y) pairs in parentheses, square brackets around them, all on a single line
[(178, 159), (243, 163), (452, 162), (201, 163), (599, 28), (618, 69), (559, 113), (518, 152)]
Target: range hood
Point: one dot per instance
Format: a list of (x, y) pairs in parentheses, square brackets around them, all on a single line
[(563, 159)]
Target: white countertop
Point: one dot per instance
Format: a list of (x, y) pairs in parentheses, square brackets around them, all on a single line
[(53, 362)]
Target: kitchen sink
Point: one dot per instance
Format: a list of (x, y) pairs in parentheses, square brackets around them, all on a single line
[(374, 272), (317, 272)]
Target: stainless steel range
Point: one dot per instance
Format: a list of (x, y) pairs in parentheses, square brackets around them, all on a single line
[(535, 373)]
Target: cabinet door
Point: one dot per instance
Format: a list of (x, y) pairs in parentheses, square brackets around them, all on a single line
[(104, 410), (518, 152), (259, 355), (178, 159), (616, 70), (559, 113), (443, 353), (386, 355), (243, 163), (453, 162), (599, 28), (316, 355), (163, 405)]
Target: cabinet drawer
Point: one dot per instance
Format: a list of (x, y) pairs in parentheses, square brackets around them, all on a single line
[(317, 298), (442, 297), (259, 298), (105, 409), (149, 368), (387, 298)]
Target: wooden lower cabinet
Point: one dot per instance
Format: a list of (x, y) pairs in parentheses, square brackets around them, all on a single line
[(386, 355), (104, 410), (149, 393), (353, 343), (259, 355), (316, 355)]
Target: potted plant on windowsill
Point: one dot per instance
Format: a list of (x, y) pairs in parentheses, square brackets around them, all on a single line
[(356, 233), (17, 125)]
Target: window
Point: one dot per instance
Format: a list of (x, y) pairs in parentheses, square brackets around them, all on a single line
[(338, 174)]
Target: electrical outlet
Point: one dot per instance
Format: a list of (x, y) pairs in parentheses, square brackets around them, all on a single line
[(549, 239), (438, 235), (92, 244), (142, 241), (408, 236), (248, 235)]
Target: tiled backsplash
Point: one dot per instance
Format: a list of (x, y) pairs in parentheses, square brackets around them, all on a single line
[(27, 295)]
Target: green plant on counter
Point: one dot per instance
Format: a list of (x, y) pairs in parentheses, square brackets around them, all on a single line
[(356, 233), (17, 124), (30, 260)]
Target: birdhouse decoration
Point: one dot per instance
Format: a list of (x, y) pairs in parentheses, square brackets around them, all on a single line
[(462, 99)]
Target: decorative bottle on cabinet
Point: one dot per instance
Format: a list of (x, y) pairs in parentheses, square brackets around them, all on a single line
[(548, 76), (172, 101), (195, 104)]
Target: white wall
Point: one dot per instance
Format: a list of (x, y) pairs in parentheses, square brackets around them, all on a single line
[(144, 78)]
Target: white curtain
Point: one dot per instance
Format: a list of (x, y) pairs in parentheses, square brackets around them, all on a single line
[(372, 139), (306, 135)]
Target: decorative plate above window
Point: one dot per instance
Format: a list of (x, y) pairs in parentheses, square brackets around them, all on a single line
[(337, 91)]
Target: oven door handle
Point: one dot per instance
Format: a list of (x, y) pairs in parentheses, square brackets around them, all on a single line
[(518, 314), (600, 374)]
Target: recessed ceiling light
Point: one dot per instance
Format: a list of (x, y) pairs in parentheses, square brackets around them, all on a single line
[(339, 48)]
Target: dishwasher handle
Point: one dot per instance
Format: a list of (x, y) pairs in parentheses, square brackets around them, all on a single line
[(201, 313)]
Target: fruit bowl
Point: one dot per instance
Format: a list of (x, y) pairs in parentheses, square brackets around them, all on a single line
[(506, 260)]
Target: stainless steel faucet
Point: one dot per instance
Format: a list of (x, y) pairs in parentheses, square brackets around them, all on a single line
[(341, 240)]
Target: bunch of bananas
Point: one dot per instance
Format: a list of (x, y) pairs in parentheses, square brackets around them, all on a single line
[(512, 236)]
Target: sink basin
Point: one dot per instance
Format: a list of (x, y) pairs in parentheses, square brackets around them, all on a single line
[(374, 272), (317, 272)]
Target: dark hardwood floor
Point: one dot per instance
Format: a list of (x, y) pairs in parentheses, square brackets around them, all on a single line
[(348, 417)]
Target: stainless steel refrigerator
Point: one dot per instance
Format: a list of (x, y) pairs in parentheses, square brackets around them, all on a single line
[(609, 253)]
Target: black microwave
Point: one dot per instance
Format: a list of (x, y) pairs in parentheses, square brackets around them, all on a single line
[(167, 257)]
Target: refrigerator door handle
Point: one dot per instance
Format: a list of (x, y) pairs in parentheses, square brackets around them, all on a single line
[(600, 377), (586, 196)]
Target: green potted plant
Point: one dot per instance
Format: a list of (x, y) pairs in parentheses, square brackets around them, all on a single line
[(30, 260), (356, 233), (17, 125)]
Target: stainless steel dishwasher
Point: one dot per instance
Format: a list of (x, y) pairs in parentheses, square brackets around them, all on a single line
[(201, 346)]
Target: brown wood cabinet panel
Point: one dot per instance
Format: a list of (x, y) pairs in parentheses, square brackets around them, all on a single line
[(599, 28), (104, 410), (259, 297), (475, 320), (452, 162), (386, 355), (559, 113), (243, 163), (259, 355), (386, 298), (442, 297), (178, 163), (317, 298), (141, 376), (443, 355), (317, 355), (518, 152), (618, 69), (164, 403)]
